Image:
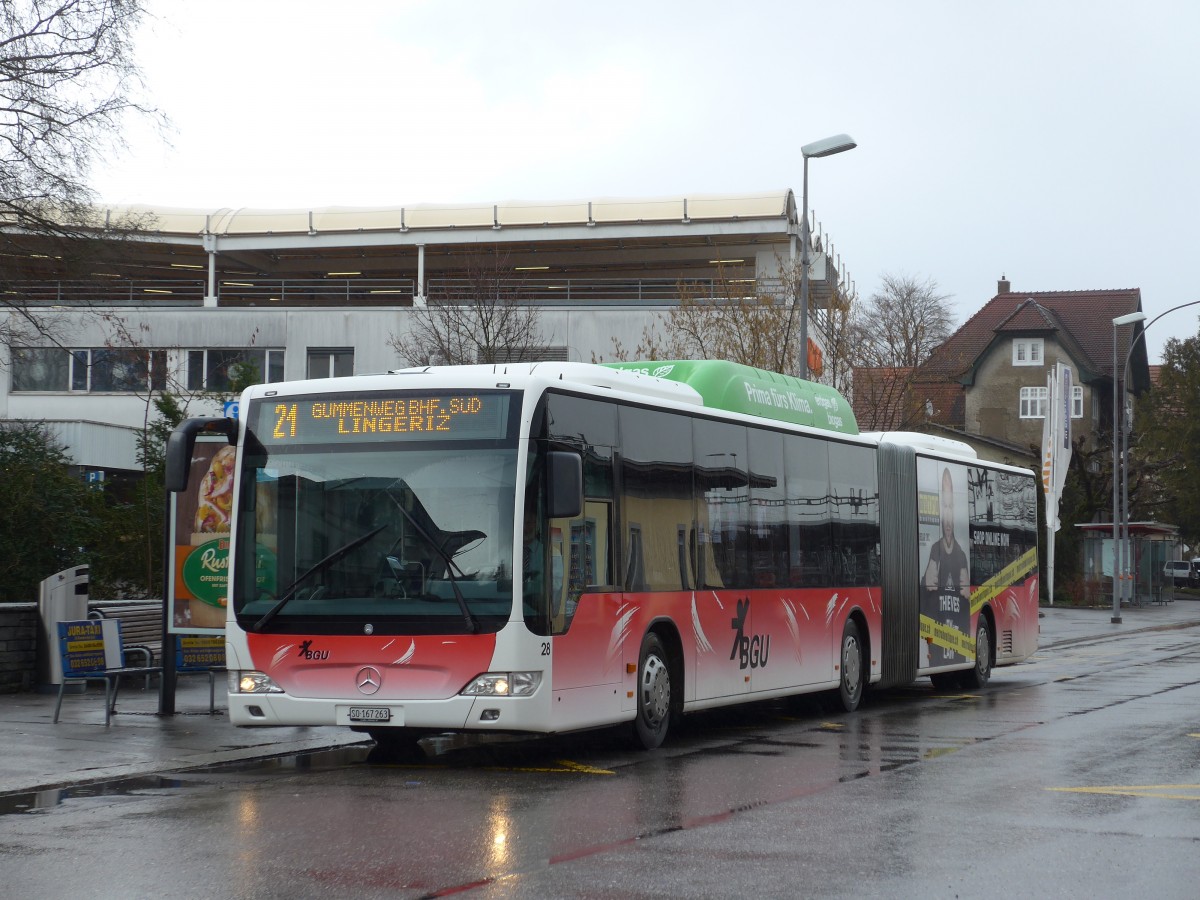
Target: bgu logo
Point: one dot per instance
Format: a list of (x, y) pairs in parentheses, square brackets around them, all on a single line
[(308, 653), (750, 652)]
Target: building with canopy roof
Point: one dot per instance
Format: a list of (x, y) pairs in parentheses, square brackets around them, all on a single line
[(302, 293)]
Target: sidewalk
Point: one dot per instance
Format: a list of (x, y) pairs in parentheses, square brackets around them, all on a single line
[(40, 755)]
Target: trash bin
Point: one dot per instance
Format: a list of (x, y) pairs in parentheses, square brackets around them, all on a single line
[(62, 597)]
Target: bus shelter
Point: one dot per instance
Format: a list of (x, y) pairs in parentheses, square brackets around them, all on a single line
[(1151, 545)]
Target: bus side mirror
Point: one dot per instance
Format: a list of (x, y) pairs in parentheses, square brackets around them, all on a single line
[(182, 442), (565, 485)]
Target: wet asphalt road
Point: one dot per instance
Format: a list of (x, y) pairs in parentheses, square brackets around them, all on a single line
[(1074, 775)]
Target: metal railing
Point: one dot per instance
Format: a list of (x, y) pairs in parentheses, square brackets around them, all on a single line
[(286, 292)]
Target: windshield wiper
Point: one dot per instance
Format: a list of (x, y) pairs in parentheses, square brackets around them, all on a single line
[(468, 617), (323, 564)]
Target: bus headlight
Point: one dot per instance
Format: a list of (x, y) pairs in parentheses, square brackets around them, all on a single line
[(503, 684), (252, 683)]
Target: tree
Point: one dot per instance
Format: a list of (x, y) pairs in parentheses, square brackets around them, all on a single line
[(722, 318), (895, 333), (47, 514), (870, 351), (67, 82), (903, 322), (1164, 448), (484, 316), (719, 319)]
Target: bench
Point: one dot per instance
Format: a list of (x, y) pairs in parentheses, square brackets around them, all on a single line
[(141, 628), (87, 654)]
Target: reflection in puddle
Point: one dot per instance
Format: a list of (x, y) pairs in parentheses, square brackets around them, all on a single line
[(52, 797), (38, 801)]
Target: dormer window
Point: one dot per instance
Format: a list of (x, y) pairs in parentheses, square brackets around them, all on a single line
[(1028, 352)]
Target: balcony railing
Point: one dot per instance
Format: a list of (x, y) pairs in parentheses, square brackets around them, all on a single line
[(365, 292)]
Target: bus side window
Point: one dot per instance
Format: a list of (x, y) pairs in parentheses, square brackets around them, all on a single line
[(722, 498), (656, 495), (635, 568), (854, 504), (582, 548), (769, 532), (806, 461)]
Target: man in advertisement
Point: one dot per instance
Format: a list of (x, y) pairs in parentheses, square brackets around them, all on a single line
[(946, 594)]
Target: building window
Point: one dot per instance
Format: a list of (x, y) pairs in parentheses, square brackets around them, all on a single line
[(216, 370), (1028, 352), (118, 371), (330, 362), (1033, 402), (40, 369), (124, 370), (1076, 402)]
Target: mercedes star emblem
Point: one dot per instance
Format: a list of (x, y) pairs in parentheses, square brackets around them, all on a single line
[(368, 680)]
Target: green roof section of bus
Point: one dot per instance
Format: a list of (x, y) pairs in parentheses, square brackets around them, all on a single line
[(755, 392)]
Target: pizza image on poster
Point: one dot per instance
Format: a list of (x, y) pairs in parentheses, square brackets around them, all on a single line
[(201, 539)]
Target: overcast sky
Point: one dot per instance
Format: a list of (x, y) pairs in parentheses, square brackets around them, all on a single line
[(1052, 141)]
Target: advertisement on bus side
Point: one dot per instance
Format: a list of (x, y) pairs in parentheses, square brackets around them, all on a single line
[(945, 564)]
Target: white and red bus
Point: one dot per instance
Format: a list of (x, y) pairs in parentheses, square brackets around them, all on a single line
[(558, 546)]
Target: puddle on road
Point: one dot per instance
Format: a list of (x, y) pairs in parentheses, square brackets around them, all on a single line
[(39, 801)]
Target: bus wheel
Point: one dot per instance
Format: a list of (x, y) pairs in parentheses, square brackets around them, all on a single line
[(653, 694), (978, 676), (851, 661)]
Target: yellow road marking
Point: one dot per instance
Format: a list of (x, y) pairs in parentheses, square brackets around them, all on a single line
[(1161, 791), (563, 767), (580, 767)]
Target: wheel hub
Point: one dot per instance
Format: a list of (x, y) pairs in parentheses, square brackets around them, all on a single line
[(656, 690), (851, 665)]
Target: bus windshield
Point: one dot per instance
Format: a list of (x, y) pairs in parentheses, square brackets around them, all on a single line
[(382, 537)]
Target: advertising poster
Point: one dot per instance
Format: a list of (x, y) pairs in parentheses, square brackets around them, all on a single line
[(200, 541), (944, 564), (88, 645), (1003, 536), (197, 652)]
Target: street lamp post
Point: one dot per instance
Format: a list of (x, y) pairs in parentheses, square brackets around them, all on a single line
[(1126, 554), (826, 147), (1118, 582)]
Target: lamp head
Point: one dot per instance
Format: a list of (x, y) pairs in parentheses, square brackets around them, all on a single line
[(1130, 318), (828, 146)]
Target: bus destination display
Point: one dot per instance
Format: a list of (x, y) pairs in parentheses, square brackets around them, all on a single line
[(381, 417)]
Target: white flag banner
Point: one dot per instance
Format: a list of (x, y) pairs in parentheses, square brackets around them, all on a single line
[(1056, 440), (1062, 458)]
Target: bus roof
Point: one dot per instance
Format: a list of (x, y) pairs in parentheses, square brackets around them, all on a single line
[(755, 392)]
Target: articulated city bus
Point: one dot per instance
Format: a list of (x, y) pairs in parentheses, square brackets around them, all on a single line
[(551, 547)]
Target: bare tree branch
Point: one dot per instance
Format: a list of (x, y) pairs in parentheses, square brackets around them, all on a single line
[(895, 332), (484, 316), (67, 82)]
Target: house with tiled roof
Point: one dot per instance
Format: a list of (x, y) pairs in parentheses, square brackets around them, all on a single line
[(986, 384)]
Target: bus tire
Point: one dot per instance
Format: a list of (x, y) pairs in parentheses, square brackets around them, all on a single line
[(653, 694), (850, 662), (978, 675)]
